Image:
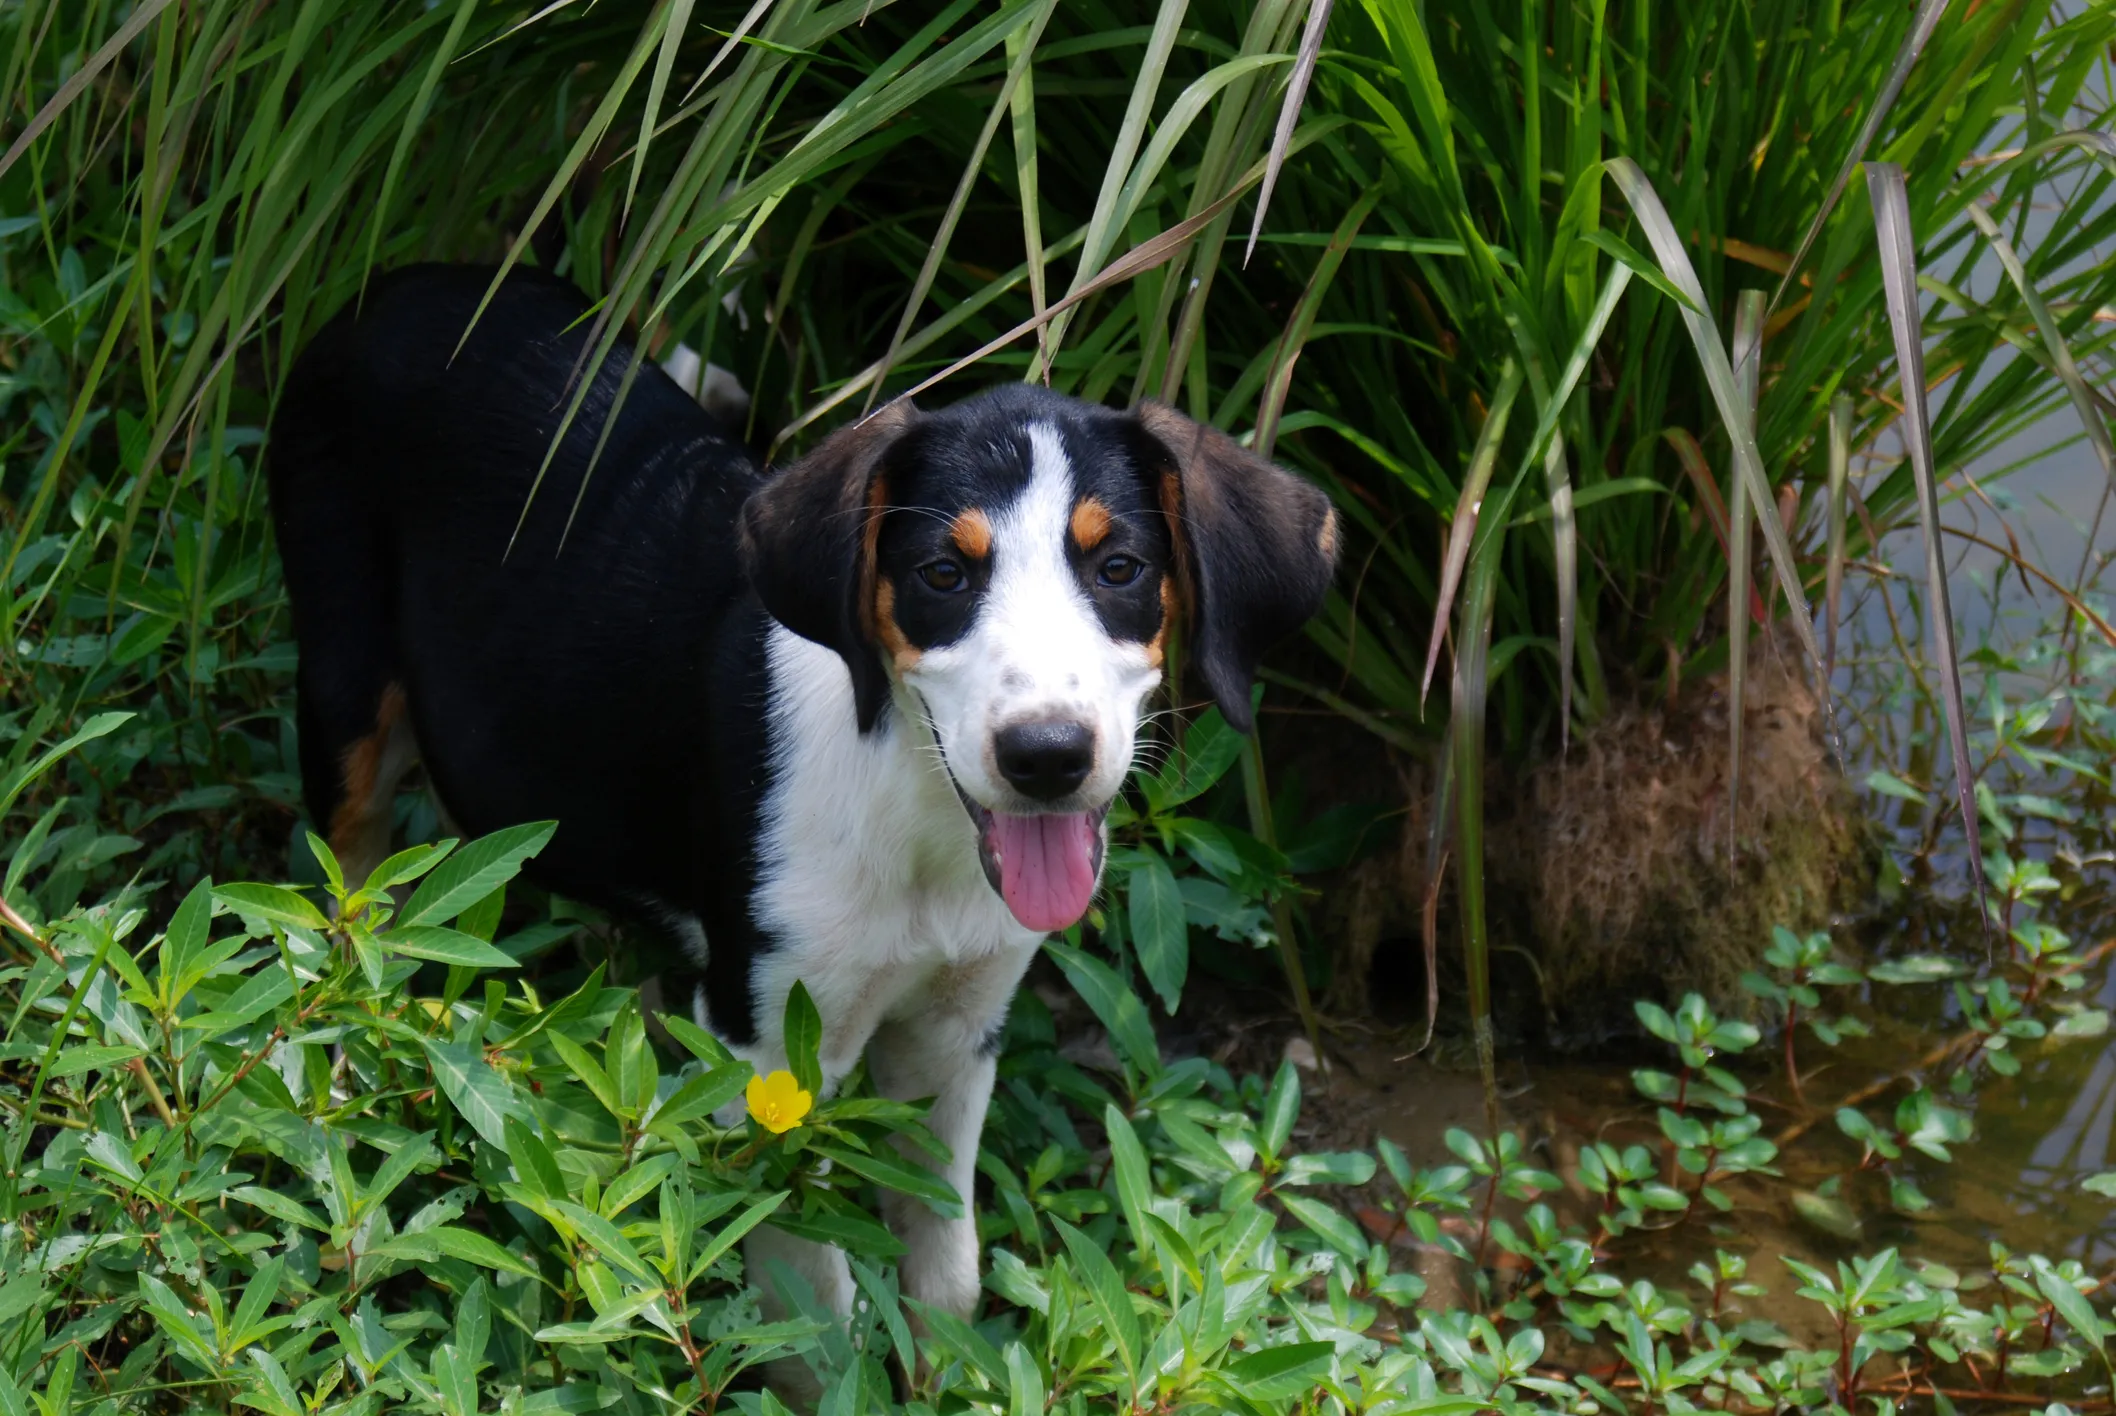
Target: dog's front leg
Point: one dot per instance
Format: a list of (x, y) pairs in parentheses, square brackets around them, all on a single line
[(946, 1049)]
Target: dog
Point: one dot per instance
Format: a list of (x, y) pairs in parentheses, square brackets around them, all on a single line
[(856, 723)]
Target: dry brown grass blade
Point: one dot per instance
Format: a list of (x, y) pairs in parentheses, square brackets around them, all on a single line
[(1899, 275), (1840, 429), (1289, 113), (1152, 252), (1921, 28), (1746, 355), (1463, 526), (81, 79), (1017, 68)]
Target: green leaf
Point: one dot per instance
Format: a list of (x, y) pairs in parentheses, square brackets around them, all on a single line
[(803, 1033), (278, 1206), (607, 1240), (407, 865), (700, 1043), (1128, 1169), (1106, 1291), (482, 920), (1888, 784), (704, 1094), (272, 902), (888, 1170), (1281, 1109), (1918, 968), (2071, 1305), (474, 1248), (183, 942), (482, 1095), (2087, 1022), (1327, 1224), (473, 872), (1025, 1385), (1160, 934), (533, 1160), (1282, 1373), (590, 1073), (444, 946), (2103, 1184), (101, 725), (1117, 1006), (76, 1060), (1209, 748)]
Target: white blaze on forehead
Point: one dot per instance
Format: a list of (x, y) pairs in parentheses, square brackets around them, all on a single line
[(1037, 650), (1041, 626)]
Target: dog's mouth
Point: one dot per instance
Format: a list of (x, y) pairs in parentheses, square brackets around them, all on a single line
[(1043, 866)]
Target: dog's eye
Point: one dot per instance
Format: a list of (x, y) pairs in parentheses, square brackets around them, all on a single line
[(1119, 571), (944, 575)]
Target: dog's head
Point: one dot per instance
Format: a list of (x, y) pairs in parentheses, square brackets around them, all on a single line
[(1009, 569)]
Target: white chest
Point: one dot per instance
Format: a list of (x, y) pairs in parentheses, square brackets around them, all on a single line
[(869, 883)]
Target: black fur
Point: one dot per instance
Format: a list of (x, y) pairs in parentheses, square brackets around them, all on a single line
[(611, 673)]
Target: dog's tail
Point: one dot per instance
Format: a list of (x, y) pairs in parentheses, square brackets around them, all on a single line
[(328, 476)]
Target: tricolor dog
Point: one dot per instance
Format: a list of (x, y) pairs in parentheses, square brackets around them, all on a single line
[(857, 722)]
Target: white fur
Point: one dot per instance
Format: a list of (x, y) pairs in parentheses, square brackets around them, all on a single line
[(873, 895), (871, 888)]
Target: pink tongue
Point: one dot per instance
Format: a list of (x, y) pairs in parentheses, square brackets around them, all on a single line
[(1046, 867)]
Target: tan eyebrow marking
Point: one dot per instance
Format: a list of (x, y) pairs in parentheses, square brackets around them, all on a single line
[(972, 531), (1090, 523)]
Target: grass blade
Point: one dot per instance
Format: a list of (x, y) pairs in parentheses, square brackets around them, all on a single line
[(1899, 273), (1747, 355), (1840, 430), (1103, 223), (1026, 187), (1558, 481), (1921, 28), (675, 18), (1463, 526), (1152, 252), (1020, 52), (1466, 732), (1289, 113), (137, 21), (1719, 376), (2083, 398), (1280, 382)]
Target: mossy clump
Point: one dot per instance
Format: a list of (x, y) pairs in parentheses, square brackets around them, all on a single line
[(1640, 872)]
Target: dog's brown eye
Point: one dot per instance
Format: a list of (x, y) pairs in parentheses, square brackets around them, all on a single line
[(1119, 570), (943, 575)]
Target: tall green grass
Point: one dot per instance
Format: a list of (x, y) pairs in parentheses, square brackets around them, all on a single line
[(1488, 305)]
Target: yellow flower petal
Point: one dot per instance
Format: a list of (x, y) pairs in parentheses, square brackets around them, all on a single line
[(778, 1102)]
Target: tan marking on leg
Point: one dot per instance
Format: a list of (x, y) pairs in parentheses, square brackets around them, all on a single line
[(1090, 523), (1326, 541), (902, 652), (359, 828), (972, 533)]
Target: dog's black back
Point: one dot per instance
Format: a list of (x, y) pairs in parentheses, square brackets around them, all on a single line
[(399, 470)]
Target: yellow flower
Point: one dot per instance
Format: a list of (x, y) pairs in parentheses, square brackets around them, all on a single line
[(778, 1102)]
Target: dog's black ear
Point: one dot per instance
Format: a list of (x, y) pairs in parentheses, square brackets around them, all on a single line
[(808, 546), (1254, 547)]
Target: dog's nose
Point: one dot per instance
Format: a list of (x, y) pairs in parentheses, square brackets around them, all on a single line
[(1045, 760)]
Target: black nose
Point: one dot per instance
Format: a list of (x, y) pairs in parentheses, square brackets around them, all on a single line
[(1045, 760)]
